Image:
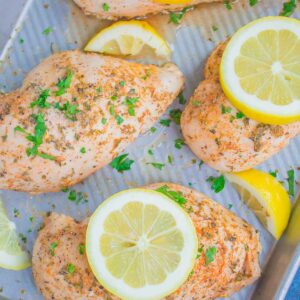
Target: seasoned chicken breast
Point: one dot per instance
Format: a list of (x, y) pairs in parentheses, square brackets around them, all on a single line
[(220, 135), (235, 265), (74, 113), (115, 9)]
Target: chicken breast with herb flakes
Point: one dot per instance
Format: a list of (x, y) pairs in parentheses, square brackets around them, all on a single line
[(222, 136), (74, 113), (116, 9), (228, 255)]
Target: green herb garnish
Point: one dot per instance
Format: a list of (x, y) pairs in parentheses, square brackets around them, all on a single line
[(165, 122), (70, 110), (288, 8), (228, 4), (181, 98), (225, 110), (103, 121), (81, 249), (253, 2), (210, 254), (64, 84), (179, 143), (176, 17), (70, 268), (42, 100), (52, 247), (153, 129), (156, 165), (175, 115), (176, 196), (83, 150), (291, 181), (217, 183), (130, 103), (121, 163), (47, 31), (77, 197), (105, 7)]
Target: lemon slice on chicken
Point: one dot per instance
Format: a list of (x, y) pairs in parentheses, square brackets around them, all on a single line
[(128, 38), (141, 244), (265, 196), (260, 70), (11, 255)]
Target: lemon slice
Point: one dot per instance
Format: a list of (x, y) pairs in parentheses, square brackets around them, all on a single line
[(128, 38), (265, 196), (11, 255), (141, 244), (260, 70)]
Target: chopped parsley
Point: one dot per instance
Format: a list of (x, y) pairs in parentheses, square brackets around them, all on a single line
[(112, 110), (165, 122), (176, 196), (217, 183), (99, 90), (239, 115), (64, 84), (23, 238), (122, 83), (230, 206), (225, 110), (119, 120), (41, 100), (200, 250), (21, 41), (179, 143), (215, 28), (130, 104), (70, 268), (196, 103), (210, 254), (37, 139), (158, 166), (150, 152), (288, 8), (170, 159), (77, 197), (122, 163), (176, 17), (83, 150), (105, 7), (52, 248), (153, 129), (47, 30), (291, 181), (103, 121), (253, 2), (16, 213), (81, 249), (228, 4), (200, 164), (175, 115), (181, 98), (70, 110), (273, 173), (114, 97)]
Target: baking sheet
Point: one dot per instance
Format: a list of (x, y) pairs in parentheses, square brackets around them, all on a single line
[(192, 42)]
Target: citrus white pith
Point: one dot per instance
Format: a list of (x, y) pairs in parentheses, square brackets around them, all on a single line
[(11, 255), (141, 244), (128, 38), (260, 70)]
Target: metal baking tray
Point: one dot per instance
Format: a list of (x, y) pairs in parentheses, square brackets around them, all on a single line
[(192, 42)]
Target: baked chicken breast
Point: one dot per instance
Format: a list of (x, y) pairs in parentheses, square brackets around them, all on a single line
[(74, 113), (116, 9), (235, 265), (220, 135)]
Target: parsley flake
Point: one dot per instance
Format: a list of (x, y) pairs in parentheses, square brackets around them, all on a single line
[(179, 143), (175, 115), (165, 122), (210, 254), (121, 163), (41, 100), (176, 196), (70, 268), (47, 30), (291, 181), (52, 248), (253, 2), (105, 7), (217, 183), (225, 110), (176, 17), (181, 98), (64, 84), (83, 150), (70, 110), (130, 102), (156, 165), (81, 249), (288, 8)]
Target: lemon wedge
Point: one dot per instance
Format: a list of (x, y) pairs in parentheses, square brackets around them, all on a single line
[(128, 38), (260, 70), (265, 196), (11, 255), (141, 244)]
